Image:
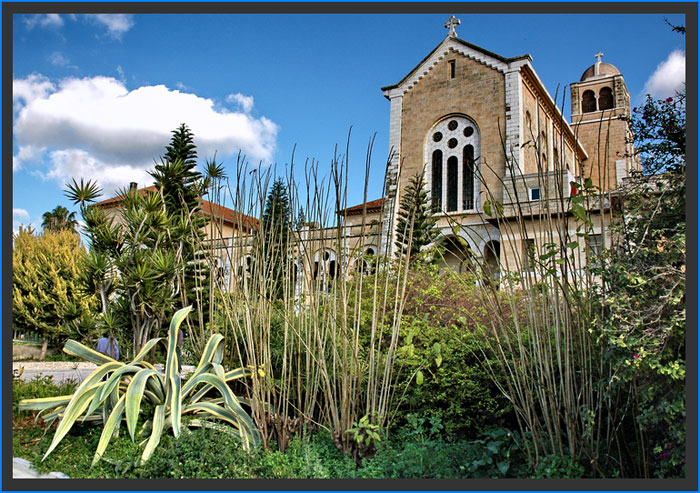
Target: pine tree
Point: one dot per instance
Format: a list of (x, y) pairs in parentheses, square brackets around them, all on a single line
[(415, 223), (181, 187), (275, 238), (176, 177)]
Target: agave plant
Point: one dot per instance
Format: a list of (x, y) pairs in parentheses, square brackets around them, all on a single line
[(127, 386)]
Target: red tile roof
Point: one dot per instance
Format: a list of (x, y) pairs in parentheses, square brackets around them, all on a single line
[(115, 201), (235, 218), (372, 206)]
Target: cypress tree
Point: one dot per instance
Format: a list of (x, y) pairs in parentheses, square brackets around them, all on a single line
[(415, 223), (275, 238)]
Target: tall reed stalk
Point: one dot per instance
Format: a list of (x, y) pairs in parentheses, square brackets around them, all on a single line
[(321, 360), (542, 314)]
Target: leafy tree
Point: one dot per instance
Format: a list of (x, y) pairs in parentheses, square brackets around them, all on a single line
[(145, 265), (415, 225), (46, 290), (642, 314), (275, 238), (659, 134), (59, 219)]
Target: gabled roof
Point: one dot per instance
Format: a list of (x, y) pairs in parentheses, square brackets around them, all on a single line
[(476, 52), (371, 206), (230, 216)]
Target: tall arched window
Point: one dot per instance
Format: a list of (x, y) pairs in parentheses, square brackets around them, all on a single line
[(605, 99), (436, 189), (454, 140), (326, 269), (588, 103), (452, 171), (468, 177)]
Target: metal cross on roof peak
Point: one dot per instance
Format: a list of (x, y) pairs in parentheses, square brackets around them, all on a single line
[(451, 24), (599, 55)]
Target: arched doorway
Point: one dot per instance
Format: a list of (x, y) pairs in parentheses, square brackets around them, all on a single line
[(457, 254), (492, 259)]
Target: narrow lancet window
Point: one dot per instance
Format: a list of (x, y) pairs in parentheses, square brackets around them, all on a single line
[(436, 192), (468, 178), (452, 183)]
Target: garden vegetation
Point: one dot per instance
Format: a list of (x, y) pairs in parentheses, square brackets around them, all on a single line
[(381, 367)]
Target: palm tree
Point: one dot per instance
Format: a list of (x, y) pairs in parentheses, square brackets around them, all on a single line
[(59, 219)]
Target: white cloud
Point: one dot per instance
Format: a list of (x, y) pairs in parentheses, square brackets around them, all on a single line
[(19, 214), (70, 163), (116, 24), (57, 58), (27, 153), (245, 102), (668, 78), (96, 128), (43, 20), (33, 87)]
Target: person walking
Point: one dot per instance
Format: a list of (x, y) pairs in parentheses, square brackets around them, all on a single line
[(108, 346)]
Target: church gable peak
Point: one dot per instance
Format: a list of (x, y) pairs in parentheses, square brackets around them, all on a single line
[(452, 44)]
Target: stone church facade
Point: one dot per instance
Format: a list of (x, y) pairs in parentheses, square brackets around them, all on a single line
[(483, 128)]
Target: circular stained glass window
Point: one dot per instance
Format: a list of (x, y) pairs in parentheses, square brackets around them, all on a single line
[(452, 143), (468, 131), (452, 125), (437, 136)]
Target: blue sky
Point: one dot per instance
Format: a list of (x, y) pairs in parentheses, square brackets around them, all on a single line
[(96, 96)]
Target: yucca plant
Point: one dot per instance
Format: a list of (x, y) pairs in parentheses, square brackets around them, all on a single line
[(130, 388)]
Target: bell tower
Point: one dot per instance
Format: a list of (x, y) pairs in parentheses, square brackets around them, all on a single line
[(600, 102)]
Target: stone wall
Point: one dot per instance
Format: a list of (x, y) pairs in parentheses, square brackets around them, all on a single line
[(477, 91)]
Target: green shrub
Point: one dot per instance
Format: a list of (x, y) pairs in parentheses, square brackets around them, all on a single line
[(422, 454), (556, 466), (498, 453), (41, 386), (443, 369), (198, 455)]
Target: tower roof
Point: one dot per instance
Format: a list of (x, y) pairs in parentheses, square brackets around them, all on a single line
[(599, 69)]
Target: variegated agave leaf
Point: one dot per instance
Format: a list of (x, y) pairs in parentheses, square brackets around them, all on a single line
[(74, 348), (174, 385), (75, 408), (112, 422), (156, 431), (134, 395)]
